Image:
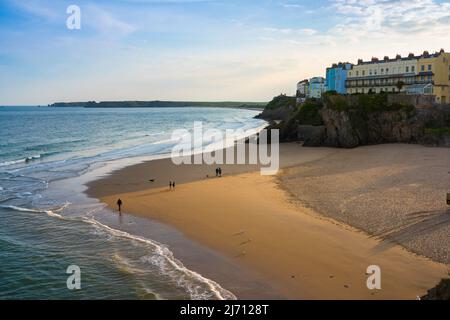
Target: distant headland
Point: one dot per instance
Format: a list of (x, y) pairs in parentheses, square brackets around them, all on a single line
[(159, 104)]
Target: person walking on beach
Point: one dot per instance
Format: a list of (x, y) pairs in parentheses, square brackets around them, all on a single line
[(173, 185), (170, 185), (220, 172), (217, 172), (119, 204)]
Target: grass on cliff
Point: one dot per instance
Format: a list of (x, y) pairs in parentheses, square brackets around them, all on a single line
[(308, 113), (281, 101), (438, 131), (367, 103)]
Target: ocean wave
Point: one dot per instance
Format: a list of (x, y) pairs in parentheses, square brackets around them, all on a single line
[(23, 160), (167, 257), (50, 213), (53, 145), (162, 257)]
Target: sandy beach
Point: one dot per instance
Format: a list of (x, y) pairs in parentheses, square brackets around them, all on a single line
[(297, 230)]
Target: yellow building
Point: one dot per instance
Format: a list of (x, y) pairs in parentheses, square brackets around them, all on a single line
[(382, 75), (424, 74), (435, 69)]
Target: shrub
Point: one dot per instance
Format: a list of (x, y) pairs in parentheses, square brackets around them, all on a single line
[(281, 101), (437, 131), (308, 113)]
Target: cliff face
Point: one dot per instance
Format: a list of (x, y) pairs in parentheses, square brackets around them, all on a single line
[(351, 121), (349, 129), (280, 108), (440, 292)]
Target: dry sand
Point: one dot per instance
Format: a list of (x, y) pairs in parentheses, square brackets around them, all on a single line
[(252, 220), (395, 192)]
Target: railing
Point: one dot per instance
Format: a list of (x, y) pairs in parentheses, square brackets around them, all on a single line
[(349, 84)]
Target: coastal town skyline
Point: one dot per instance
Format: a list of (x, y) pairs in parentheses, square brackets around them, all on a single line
[(425, 74), (199, 50)]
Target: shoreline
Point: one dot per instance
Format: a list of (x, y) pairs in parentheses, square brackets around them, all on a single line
[(293, 268)]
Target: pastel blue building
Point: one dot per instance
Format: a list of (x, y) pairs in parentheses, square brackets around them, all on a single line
[(336, 76)]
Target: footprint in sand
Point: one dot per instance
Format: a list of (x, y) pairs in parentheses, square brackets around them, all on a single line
[(245, 242), (243, 253), (239, 233)]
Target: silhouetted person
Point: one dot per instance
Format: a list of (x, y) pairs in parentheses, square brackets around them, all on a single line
[(170, 185), (220, 172), (217, 172), (119, 204), (173, 185)]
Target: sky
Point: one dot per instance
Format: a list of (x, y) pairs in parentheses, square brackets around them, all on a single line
[(199, 50)]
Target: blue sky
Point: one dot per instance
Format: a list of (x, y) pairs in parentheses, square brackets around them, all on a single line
[(245, 50)]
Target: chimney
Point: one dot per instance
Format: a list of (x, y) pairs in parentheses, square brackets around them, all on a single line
[(360, 61), (411, 55), (374, 59), (442, 50), (398, 57), (386, 58), (426, 53)]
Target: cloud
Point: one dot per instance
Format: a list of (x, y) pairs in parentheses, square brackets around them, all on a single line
[(308, 31), (36, 8), (293, 5), (107, 23), (398, 17), (289, 31)]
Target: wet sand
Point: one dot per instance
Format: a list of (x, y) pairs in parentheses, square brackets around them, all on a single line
[(254, 222)]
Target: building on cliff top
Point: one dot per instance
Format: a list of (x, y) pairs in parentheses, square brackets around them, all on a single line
[(316, 87), (302, 90), (427, 74), (336, 75)]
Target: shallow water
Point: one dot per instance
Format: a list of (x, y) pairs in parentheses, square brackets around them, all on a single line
[(47, 224)]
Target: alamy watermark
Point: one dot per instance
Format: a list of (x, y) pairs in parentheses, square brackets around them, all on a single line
[(73, 21), (374, 280), (234, 146), (74, 280)]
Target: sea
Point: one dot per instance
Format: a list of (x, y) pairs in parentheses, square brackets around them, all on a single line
[(48, 225)]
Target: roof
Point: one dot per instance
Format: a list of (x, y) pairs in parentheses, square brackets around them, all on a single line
[(414, 57)]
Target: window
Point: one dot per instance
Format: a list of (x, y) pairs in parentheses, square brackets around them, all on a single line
[(357, 73), (382, 70), (370, 71), (429, 67), (429, 77), (422, 68), (363, 72), (387, 70), (407, 69), (393, 89), (413, 68), (422, 77)]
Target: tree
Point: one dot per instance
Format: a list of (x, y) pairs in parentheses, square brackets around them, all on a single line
[(400, 85)]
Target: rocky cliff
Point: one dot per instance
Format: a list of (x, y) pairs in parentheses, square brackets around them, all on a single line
[(351, 121)]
